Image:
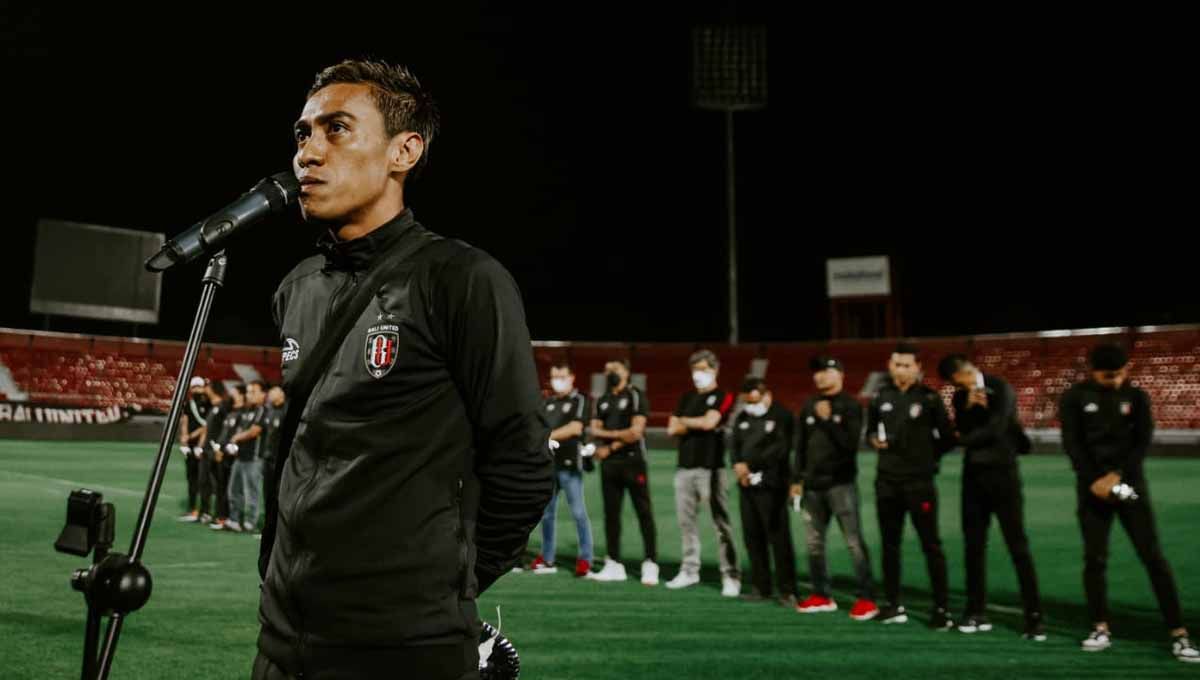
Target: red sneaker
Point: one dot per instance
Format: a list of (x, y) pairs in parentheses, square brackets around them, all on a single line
[(816, 604), (864, 610), (540, 566), (582, 568), (538, 562)]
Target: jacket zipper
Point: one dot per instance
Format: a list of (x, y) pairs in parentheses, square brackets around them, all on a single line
[(350, 281)]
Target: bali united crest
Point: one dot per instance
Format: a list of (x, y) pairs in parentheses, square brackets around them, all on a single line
[(383, 343)]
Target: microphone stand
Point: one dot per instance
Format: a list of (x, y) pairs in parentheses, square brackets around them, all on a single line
[(116, 584)]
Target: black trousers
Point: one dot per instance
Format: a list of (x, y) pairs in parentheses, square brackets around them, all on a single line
[(191, 466), (206, 480), (988, 491), (618, 475), (220, 480), (270, 491), (1095, 521), (918, 499), (265, 669), (765, 523)]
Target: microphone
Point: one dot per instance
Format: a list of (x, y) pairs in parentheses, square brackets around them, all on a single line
[(271, 195)]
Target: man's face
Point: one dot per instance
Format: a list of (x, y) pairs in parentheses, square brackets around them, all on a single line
[(904, 368), (965, 378), (255, 395), (275, 395), (618, 368), (1112, 379), (238, 399), (828, 380), (198, 391), (343, 147), (562, 379)]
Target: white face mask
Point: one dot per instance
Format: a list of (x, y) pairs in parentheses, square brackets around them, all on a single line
[(757, 410), (703, 379), (561, 385)]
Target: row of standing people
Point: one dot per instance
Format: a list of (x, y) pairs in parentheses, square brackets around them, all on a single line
[(808, 462), (228, 436)]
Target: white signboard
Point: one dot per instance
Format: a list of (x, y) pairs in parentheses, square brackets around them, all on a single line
[(858, 276)]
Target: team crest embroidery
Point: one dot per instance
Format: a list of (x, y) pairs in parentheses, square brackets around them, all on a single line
[(604, 406), (769, 426), (811, 420), (837, 418), (383, 342), (1126, 408), (549, 407), (914, 411), (623, 404), (744, 426), (566, 408), (1091, 408), (712, 400), (886, 407)]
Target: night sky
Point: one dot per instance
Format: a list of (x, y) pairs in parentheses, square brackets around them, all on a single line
[(1023, 174)]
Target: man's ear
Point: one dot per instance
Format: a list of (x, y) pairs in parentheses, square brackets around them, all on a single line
[(405, 150)]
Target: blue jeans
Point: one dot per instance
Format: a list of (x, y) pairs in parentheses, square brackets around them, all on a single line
[(245, 484), (570, 481)]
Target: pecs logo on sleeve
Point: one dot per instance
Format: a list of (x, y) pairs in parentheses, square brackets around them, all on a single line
[(383, 341), (291, 350)]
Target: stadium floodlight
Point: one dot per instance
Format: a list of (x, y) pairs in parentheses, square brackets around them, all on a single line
[(729, 73)]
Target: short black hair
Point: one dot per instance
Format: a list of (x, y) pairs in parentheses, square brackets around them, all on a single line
[(405, 105), (261, 385), (623, 362), (1108, 356), (705, 355), (562, 363), (754, 382), (217, 387), (951, 364), (907, 348), (236, 387)]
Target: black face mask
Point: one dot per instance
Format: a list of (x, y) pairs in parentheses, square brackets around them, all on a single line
[(613, 380)]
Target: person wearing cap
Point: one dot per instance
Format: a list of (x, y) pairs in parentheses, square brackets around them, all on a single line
[(1106, 430), (985, 418), (700, 479), (824, 481), (907, 424), (567, 412), (762, 440), (191, 431)]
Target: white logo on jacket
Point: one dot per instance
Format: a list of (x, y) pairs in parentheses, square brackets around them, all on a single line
[(769, 426), (604, 406), (914, 411), (622, 404), (1126, 408), (745, 425), (886, 407), (567, 408), (712, 400), (291, 350), (1091, 408)]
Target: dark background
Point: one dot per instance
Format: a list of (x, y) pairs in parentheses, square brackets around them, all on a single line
[(1024, 172)]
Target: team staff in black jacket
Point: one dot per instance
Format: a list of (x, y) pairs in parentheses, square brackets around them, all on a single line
[(907, 424), (985, 418), (191, 433), (825, 478), (210, 467), (421, 461), (1106, 431), (224, 456), (762, 440)]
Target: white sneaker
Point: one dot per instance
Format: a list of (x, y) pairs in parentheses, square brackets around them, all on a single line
[(730, 587), (216, 526), (544, 568), (649, 573), (233, 526), (189, 517), (1184, 650), (612, 571), (1098, 641), (683, 580), (247, 526)]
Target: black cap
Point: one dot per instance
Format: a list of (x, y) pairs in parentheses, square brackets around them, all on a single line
[(753, 382), (1108, 357), (822, 363)]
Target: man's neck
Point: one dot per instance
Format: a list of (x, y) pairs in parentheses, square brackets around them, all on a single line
[(358, 226), (620, 388), (831, 392), (710, 388), (906, 387)]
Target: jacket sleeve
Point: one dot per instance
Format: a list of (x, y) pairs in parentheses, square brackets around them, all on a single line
[(846, 433), (783, 453), (1000, 415), (801, 434), (943, 429), (1072, 434), (490, 359)]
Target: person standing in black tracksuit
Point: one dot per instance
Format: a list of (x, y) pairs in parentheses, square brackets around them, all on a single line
[(191, 432), (907, 424), (762, 440), (619, 431), (420, 462), (224, 456), (1107, 427), (825, 479), (272, 421), (219, 402), (985, 418)]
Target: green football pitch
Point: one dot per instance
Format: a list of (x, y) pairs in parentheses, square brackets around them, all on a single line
[(200, 622)]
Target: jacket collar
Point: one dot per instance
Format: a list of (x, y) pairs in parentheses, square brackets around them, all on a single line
[(358, 254)]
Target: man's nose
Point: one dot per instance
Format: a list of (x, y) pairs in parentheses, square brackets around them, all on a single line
[(312, 152)]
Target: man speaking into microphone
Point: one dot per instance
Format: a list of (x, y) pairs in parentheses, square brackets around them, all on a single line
[(420, 462)]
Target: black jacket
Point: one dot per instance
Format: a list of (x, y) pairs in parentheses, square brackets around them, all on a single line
[(989, 436), (827, 450), (560, 411), (917, 428), (1106, 430), (421, 462), (763, 444)]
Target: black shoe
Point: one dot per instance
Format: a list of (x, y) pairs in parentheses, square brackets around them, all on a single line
[(974, 623), (787, 601), (940, 620), (1034, 630), (892, 614)]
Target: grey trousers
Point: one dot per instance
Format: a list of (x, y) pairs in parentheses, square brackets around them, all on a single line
[(245, 488), (695, 488), (820, 507)]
